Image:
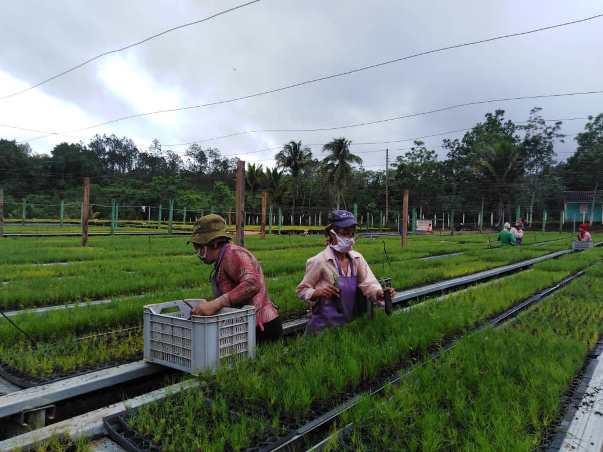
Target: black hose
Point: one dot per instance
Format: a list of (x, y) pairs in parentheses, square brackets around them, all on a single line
[(18, 328)]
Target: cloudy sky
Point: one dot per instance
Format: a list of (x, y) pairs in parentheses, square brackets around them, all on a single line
[(277, 42)]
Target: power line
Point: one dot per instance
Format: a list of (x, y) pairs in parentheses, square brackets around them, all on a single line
[(410, 115), (361, 143), (339, 74), (126, 47), (395, 118)]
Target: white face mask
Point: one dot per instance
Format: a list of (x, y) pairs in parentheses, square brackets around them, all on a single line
[(344, 244)]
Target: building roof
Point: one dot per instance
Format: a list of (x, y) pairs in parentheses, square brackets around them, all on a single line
[(582, 196)]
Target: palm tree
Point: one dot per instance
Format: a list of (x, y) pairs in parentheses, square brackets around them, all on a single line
[(500, 164), (254, 178), (275, 184), (294, 157), (339, 164)]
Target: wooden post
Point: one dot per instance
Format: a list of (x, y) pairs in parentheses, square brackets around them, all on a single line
[(85, 209), (23, 211), (184, 216), (240, 203), (561, 221), (264, 207), (116, 214), (544, 218), (481, 222), (159, 217), (404, 219), (1, 212)]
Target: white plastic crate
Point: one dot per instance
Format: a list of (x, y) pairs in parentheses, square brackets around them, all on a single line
[(201, 342), (578, 245)]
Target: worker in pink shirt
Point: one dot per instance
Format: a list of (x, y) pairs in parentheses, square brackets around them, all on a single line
[(334, 276), (584, 235), (237, 278)]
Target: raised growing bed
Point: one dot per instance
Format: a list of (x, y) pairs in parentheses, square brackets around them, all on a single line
[(49, 362), (293, 389), (502, 389)]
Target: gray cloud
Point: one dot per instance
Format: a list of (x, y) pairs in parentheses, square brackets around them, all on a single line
[(278, 42)]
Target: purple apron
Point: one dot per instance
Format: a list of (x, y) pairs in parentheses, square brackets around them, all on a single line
[(328, 312)]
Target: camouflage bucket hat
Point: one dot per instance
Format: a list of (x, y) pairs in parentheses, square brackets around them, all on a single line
[(208, 228)]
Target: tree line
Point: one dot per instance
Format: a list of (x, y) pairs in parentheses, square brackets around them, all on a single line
[(497, 163)]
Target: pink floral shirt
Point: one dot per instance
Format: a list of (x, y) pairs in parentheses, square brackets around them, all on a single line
[(241, 281), (321, 268)]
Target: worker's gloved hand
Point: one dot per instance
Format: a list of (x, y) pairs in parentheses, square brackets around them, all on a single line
[(328, 291)]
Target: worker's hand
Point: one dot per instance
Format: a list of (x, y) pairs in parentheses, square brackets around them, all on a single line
[(381, 296), (207, 308), (325, 292)]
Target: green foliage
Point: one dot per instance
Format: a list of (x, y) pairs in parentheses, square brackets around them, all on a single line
[(583, 169)]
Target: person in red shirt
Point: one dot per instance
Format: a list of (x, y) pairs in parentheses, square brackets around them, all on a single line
[(237, 278), (584, 235)]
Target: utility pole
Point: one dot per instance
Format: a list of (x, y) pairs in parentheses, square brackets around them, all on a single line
[(264, 206), (386, 185), (1, 212), (404, 219), (85, 209), (240, 203)]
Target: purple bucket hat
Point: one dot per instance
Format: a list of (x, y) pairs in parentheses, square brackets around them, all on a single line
[(342, 218)]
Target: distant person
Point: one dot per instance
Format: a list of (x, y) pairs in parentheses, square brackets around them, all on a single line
[(506, 237), (517, 232), (334, 276), (237, 278), (584, 235), (523, 223)]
